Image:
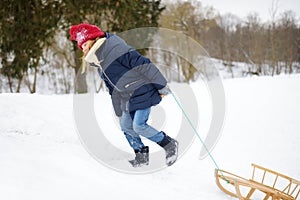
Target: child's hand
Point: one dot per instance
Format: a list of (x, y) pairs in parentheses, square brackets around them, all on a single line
[(164, 91)]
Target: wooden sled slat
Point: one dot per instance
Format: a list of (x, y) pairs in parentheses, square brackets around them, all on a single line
[(223, 176), (226, 180)]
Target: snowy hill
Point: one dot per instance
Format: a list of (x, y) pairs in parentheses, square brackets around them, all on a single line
[(41, 156)]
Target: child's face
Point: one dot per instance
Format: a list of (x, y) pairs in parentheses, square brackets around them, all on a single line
[(86, 46)]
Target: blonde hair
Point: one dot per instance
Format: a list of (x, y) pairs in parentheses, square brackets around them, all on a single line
[(84, 63)]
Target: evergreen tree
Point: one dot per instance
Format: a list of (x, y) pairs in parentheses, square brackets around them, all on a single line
[(27, 26)]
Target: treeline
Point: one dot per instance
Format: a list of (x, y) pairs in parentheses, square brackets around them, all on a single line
[(36, 52), (267, 48)]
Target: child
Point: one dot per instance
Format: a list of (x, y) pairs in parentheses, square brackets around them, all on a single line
[(134, 83)]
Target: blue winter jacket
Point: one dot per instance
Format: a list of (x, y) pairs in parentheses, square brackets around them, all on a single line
[(132, 79)]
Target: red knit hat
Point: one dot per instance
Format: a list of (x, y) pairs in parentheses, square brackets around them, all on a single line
[(84, 32)]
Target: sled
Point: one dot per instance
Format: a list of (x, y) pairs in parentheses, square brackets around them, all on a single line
[(270, 184)]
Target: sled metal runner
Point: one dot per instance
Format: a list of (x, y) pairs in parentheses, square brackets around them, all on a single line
[(271, 184)]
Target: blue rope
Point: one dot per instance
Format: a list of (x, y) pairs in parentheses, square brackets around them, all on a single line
[(197, 134)]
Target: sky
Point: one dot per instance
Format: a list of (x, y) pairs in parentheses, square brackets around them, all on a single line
[(242, 8)]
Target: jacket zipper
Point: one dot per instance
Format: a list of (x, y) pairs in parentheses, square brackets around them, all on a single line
[(129, 84)]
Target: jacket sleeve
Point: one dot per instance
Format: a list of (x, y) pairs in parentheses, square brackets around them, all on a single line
[(142, 65), (115, 97), (116, 101)]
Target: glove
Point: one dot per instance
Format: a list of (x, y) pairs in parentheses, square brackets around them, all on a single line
[(165, 91)]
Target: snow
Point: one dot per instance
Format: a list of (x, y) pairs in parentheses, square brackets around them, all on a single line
[(41, 156)]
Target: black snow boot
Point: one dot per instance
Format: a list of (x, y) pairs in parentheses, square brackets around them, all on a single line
[(171, 149), (141, 157)]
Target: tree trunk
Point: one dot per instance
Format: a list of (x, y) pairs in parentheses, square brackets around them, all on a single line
[(19, 85), (35, 76), (80, 78), (10, 84)]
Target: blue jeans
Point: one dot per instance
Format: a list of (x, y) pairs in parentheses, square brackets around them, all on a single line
[(135, 124)]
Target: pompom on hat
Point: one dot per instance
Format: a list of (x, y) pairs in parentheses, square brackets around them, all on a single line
[(84, 32)]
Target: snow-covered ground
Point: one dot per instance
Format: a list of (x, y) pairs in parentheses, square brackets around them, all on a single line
[(41, 156)]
